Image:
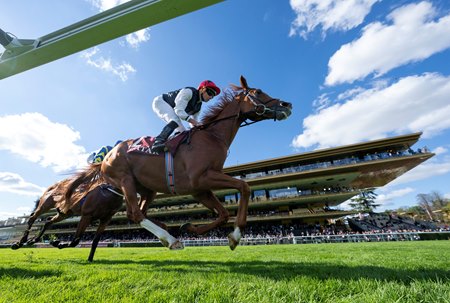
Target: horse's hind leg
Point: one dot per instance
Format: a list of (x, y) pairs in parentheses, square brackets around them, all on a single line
[(43, 207), (98, 233), (208, 199), (24, 238), (58, 217)]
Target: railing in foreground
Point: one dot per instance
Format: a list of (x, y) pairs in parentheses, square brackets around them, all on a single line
[(317, 239), (381, 237)]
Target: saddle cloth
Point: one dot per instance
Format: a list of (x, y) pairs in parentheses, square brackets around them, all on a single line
[(144, 144)]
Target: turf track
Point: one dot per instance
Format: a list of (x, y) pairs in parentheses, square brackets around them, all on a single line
[(348, 272)]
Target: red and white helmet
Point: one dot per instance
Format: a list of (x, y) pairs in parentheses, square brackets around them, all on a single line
[(211, 85)]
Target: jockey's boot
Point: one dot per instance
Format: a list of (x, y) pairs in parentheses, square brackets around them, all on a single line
[(161, 139)]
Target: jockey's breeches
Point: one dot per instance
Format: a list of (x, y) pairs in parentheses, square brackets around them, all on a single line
[(166, 112)]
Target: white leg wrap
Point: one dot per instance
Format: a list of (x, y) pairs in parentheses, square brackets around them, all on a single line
[(158, 231), (237, 234)]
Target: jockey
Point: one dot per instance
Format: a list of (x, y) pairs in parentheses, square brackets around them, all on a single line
[(100, 155), (182, 104)]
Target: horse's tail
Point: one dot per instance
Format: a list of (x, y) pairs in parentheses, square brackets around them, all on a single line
[(90, 177), (45, 194), (36, 204)]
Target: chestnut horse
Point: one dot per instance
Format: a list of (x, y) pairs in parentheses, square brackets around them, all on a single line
[(198, 165)]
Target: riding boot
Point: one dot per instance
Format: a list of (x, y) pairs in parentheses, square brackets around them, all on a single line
[(161, 139)]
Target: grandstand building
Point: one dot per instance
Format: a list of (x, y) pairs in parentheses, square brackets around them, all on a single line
[(296, 190)]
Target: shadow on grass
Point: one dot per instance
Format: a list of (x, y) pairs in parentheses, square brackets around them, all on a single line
[(20, 273), (290, 270)]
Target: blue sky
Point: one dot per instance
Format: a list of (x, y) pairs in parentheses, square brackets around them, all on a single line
[(354, 71)]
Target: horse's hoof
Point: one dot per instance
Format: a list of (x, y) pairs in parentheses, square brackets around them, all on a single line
[(164, 242), (232, 241), (187, 228), (54, 243), (16, 246), (177, 246)]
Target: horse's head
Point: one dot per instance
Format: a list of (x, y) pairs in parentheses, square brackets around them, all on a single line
[(257, 105)]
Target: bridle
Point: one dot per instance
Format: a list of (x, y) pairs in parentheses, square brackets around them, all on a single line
[(259, 109)]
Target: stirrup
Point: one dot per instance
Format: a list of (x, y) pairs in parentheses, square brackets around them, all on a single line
[(157, 148)]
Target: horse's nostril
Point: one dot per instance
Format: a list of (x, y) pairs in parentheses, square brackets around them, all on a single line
[(286, 104)]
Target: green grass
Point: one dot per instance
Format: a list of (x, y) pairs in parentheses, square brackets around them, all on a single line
[(348, 272)]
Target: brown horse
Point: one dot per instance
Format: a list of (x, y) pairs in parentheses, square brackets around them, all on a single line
[(99, 203), (198, 165), (53, 197)]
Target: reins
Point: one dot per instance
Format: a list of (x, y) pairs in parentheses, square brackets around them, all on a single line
[(206, 125)]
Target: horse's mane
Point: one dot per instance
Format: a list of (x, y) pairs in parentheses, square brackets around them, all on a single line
[(227, 97), (84, 182)]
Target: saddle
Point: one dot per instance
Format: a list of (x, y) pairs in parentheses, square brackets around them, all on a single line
[(144, 144)]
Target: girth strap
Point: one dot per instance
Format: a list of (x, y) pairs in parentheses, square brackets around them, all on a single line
[(170, 174)]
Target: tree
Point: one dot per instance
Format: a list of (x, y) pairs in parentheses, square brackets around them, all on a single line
[(365, 201), (426, 203), (437, 200)]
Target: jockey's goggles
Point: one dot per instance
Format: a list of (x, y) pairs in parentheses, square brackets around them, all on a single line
[(211, 92)]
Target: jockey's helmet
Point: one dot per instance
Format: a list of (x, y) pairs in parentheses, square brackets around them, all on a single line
[(211, 85)]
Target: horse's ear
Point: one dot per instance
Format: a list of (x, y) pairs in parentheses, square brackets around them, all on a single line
[(244, 84)]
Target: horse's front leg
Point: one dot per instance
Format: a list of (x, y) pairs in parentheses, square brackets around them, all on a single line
[(138, 214), (146, 200), (209, 200), (128, 188), (218, 180), (82, 225)]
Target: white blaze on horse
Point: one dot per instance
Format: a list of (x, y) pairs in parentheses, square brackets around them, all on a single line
[(197, 166)]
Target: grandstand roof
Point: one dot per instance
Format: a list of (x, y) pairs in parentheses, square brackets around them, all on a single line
[(394, 143)]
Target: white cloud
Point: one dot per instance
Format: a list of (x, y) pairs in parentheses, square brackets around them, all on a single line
[(122, 70), (413, 36), (13, 183), (104, 5), (423, 171), (37, 139), (440, 150), (335, 15), (136, 38), (386, 199), (350, 93), (323, 101), (374, 113), (133, 39)]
